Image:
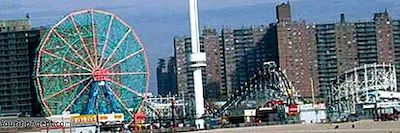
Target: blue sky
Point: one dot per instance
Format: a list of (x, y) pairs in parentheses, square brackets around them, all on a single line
[(158, 21)]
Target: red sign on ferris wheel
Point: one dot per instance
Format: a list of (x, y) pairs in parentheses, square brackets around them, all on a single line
[(140, 117)]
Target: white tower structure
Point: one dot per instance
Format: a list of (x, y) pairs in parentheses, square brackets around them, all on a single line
[(198, 60)]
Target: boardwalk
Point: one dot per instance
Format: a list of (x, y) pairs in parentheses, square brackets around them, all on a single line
[(360, 127)]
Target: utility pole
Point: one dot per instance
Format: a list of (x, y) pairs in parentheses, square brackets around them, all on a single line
[(198, 60), (312, 91), (313, 99), (173, 112)]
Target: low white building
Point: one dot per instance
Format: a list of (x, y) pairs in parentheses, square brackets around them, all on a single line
[(310, 113)]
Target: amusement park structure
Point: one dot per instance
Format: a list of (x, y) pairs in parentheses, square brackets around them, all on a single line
[(166, 109), (91, 62), (268, 83), (198, 60), (366, 92), (362, 91)]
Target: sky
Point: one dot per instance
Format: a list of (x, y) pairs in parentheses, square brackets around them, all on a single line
[(158, 21)]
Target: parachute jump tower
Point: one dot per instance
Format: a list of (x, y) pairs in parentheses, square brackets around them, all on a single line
[(198, 60)]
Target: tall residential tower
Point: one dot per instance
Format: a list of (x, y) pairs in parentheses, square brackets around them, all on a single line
[(166, 77), (296, 50), (18, 42)]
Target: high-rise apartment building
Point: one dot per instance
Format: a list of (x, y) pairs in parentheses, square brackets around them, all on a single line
[(312, 55), (166, 77), (213, 70), (184, 73), (232, 57), (345, 45), (228, 57), (337, 51), (384, 37), (311, 43), (244, 50), (283, 13), (15, 25), (327, 64), (181, 60), (396, 38), (17, 52), (212, 73), (295, 51), (331, 49)]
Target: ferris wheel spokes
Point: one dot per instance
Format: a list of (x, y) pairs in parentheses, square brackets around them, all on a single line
[(125, 87), (120, 101), (65, 60), (128, 73), (83, 51), (67, 88), (66, 34), (72, 48), (94, 38), (117, 47), (81, 38), (106, 40), (124, 59), (77, 96), (64, 74)]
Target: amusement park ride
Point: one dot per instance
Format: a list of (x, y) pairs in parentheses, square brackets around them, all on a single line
[(92, 65), (89, 63), (366, 91)]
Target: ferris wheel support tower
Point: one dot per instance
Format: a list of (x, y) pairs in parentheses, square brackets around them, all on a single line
[(198, 60)]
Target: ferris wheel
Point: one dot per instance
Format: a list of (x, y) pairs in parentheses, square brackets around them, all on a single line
[(91, 62)]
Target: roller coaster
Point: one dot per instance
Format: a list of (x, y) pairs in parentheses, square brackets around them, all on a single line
[(268, 83), (362, 91), (366, 92)]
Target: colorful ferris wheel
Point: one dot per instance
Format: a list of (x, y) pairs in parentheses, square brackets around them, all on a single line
[(91, 62)]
